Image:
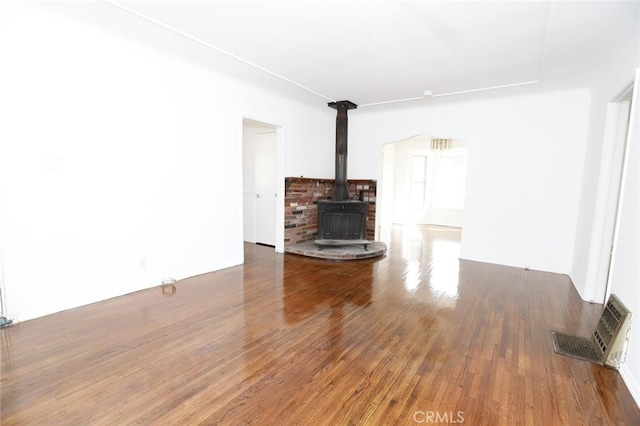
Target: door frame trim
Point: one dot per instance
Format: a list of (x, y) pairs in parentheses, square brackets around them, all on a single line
[(604, 224), (279, 220)]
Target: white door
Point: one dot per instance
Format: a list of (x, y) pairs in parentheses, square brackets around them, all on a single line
[(265, 187)]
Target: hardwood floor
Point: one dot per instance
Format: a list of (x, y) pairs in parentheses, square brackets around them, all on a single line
[(416, 337)]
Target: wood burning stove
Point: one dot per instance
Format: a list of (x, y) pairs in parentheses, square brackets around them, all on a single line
[(340, 220)]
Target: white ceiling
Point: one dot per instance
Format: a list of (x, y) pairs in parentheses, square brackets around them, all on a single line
[(379, 51)]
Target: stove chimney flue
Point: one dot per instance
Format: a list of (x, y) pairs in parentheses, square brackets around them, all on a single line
[(341, 191)]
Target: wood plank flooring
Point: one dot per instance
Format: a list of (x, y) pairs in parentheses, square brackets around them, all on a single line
[(416, 337)]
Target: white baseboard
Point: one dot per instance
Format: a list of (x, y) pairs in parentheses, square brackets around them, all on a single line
[(632, 385)]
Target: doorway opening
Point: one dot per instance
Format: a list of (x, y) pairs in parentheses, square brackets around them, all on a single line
[(261, 173), (422, 182), (610, 186)]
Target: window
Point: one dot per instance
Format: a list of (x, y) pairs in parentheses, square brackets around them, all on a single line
[(450, 182)]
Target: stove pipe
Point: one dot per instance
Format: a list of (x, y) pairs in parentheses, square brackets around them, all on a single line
[(340, 190)]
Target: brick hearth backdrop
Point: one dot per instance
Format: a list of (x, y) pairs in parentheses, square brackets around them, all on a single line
[(301, 206)]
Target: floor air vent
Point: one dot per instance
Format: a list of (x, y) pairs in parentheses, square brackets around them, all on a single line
[(608, 343)]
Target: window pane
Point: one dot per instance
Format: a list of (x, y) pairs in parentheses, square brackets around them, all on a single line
[(418, 178), (417, 194), (418, 168), (450, 183)]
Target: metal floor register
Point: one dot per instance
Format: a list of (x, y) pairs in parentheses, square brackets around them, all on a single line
[(608, 343)]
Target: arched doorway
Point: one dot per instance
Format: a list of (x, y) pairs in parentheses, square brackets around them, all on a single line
[(423, 182)]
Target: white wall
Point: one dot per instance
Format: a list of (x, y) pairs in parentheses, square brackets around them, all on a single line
[(526, 155), (611, 75), (121, 164)]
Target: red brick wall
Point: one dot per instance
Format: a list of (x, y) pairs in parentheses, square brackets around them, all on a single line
[(301, 206)]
